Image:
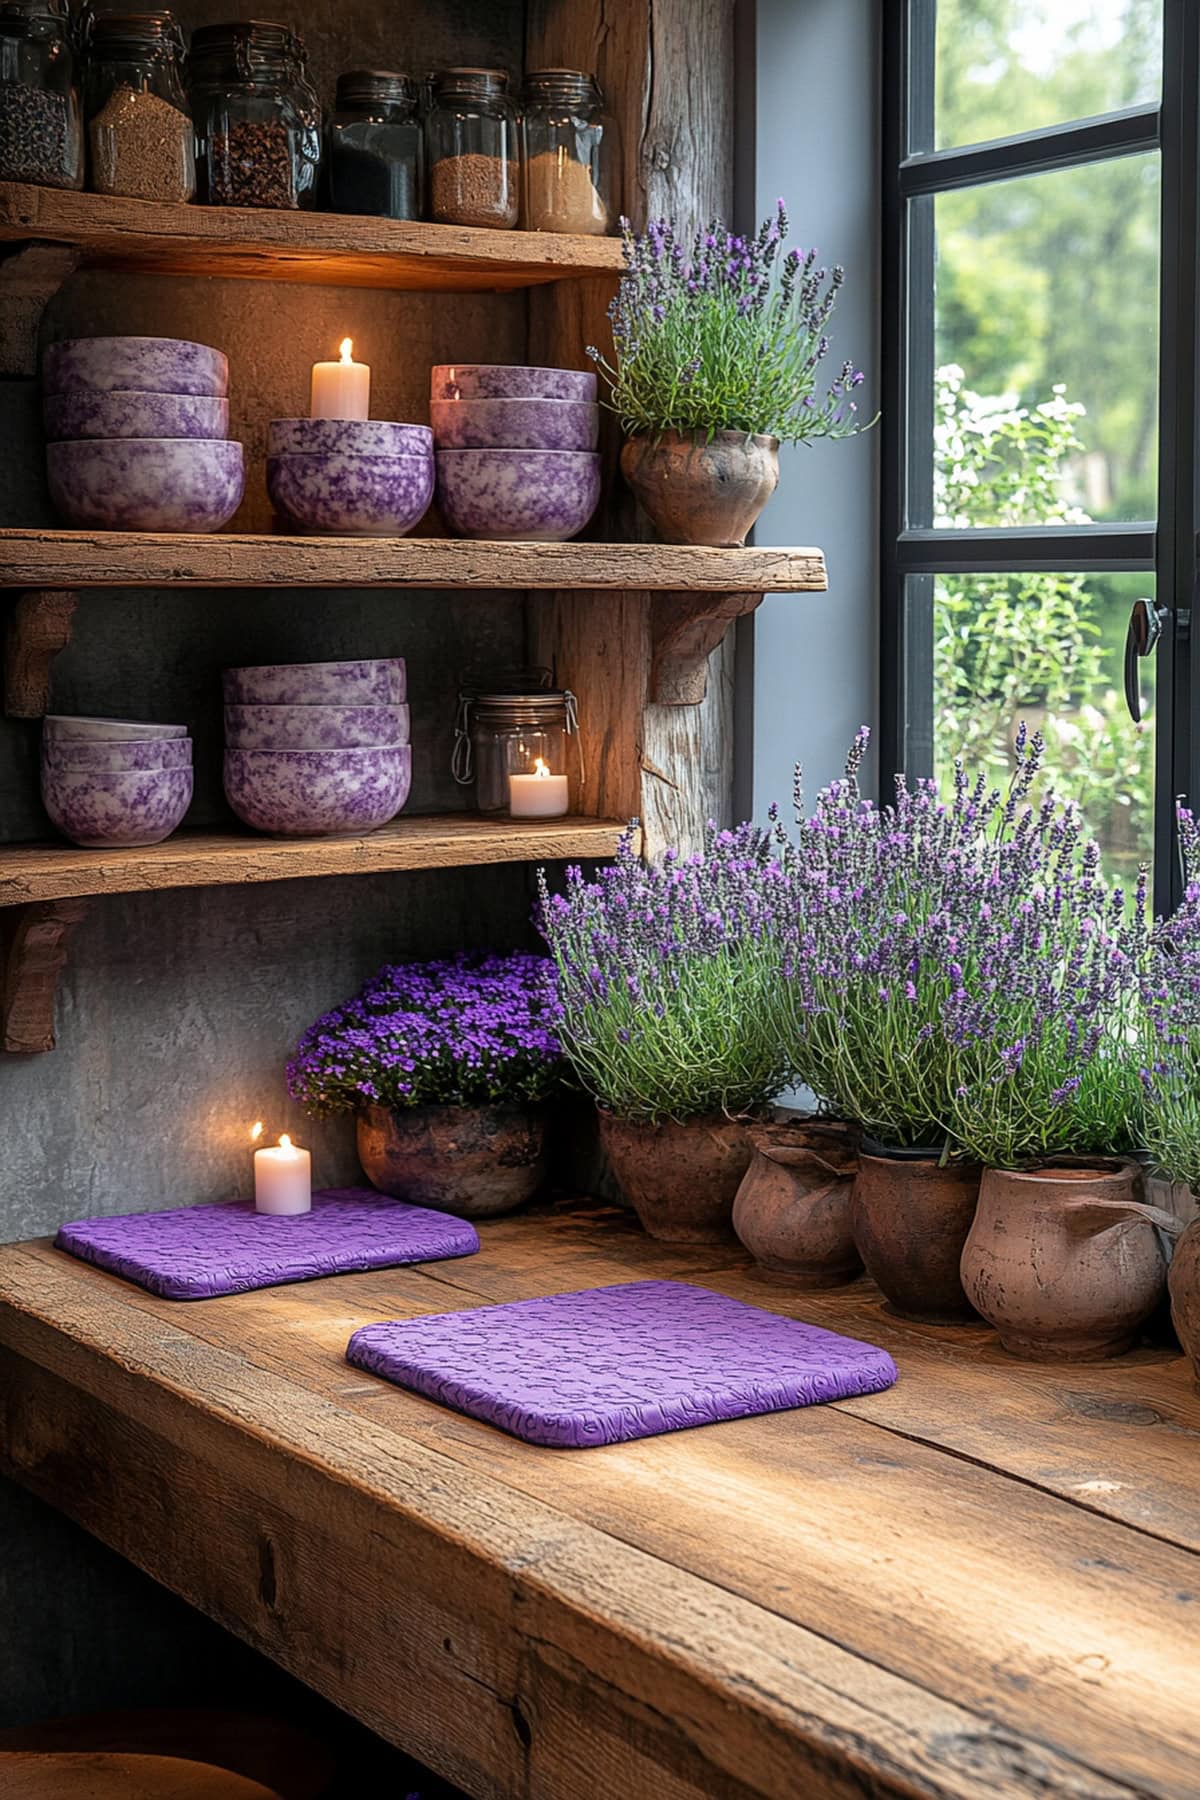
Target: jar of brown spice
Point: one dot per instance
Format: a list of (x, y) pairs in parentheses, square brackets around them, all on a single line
[(140, 138), (258, 119), (569, 155), (471, 149)]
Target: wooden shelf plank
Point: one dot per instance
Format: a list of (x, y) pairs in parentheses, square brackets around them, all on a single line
[(40, 872), (45, 559), (324, 248)]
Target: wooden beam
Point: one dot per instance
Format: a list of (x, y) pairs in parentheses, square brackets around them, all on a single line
[(35, 940), (38, 629)]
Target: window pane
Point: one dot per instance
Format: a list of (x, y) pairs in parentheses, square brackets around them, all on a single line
[(1046, 347), (1007, 66), (1048, 648)]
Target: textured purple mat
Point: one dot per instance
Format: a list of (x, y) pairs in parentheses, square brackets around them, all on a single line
[(195, 1252), (607, 1364)]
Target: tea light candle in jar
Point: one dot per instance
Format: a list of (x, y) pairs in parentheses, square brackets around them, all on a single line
[(341, 390), (283, 1179), (537, 796)]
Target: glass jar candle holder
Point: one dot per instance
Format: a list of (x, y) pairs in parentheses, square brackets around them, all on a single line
[(518, 745)]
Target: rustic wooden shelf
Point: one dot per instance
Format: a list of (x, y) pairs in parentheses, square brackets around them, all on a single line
[(31, 873), (324, 248), (39, 559)]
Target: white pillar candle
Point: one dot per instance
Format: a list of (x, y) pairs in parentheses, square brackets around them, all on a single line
[(537, 796), (283, 1179), (341, 390)]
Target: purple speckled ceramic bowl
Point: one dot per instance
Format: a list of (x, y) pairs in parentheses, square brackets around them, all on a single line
[(146, 484), (376, 681), (105, 810), (109, 755), (361, 496), (66, 725), (515, 424), (347, 437), (503, 381), (544, 495), (85, 413), (315, 727), (145, 365), (317, 793)]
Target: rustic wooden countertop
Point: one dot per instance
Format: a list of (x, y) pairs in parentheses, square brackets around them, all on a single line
[(982, 1583)]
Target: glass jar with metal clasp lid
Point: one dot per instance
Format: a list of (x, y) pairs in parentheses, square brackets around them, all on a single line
[(513, 746), (140, 136), (41, 120), (376, 146), (258, 119)]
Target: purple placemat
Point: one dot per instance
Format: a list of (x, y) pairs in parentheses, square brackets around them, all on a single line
[(607, 1364), (195, 1252)]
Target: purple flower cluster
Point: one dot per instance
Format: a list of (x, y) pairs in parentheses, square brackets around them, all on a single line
[(726, 333), (468, 1031), (1170, 1054), (663, 977)]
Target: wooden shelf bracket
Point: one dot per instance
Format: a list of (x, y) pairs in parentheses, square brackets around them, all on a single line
[(38, 628), (686, 629), (34, 941), (30, 276)]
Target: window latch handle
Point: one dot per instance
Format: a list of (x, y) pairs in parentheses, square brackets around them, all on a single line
[(1145, 628)]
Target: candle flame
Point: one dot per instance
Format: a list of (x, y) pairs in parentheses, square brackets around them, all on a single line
[(347, 350), (285, 1142), (540, 769), (256, 1131)]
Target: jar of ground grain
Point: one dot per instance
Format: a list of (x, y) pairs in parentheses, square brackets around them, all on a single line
[(569, 155), (376, 152), (258, 119), (41, 119), (139, 124), (471, 149)]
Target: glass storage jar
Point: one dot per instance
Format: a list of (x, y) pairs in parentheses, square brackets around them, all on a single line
[(41, 120), (519, 753), (471, 148), (376, 152), (140, 137), (570, 164), (258, 119)]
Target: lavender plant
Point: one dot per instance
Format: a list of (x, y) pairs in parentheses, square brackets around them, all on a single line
[(471, 1031), (1170, 1062), (726, 334), (664, 977)]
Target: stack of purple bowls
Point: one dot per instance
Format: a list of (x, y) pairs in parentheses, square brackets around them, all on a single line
[(353, 477), (137, 434), (317, 749), (113, 783), (516, 450)]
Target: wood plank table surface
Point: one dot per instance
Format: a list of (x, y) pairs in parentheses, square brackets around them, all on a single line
[(984, 1582)]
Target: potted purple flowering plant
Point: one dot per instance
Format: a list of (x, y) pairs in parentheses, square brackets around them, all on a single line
[(718, 350), (663, 978), (446, 1066)]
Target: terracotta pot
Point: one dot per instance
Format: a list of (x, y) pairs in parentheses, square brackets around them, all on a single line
[(792, 1211), (1184, 1283), (1066, 1262), (475, 1161), (702, 493), (911, 1214), (679, 1179)]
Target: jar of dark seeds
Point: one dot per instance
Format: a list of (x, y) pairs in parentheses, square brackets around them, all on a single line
[(41, 120), (140, 139), (258, 120), (376, 153), (471, 149)]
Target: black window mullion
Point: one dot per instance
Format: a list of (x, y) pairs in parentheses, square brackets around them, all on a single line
[(1003, 549), (1126, 133)]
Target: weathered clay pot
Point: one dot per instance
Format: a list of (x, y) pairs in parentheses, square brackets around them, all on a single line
[(911, 1214), (792, 1211), (1066, 1262), (679, 1179), (1184, 1283), (475, 1161), (702, 493)]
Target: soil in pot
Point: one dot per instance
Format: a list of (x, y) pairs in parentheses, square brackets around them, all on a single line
[(476, 1161), (792, 1210), (911, 1214), (680, 1179), (699, 492), (1184, 1283), (1067, 1262)]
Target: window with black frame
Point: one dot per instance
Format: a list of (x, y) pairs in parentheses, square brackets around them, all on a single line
[(1040, 399)]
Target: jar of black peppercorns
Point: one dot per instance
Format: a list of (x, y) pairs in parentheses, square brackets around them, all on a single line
[(258, 119), (376, 146), (41, 120)]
